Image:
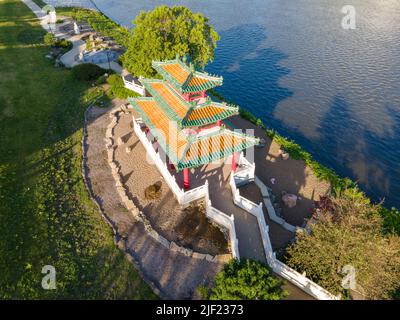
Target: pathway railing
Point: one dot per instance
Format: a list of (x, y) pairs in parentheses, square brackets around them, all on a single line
[(134, 87), (270, 208), (227, 222), (245, 172), (277, 266)]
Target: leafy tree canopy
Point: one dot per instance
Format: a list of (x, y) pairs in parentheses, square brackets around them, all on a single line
[(245, 280), (349, 231), (165, 32)]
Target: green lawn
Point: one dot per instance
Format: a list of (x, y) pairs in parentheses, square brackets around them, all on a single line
[(46, 215)]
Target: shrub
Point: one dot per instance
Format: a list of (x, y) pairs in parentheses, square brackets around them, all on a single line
[(87, 71), (63, 43), (244, 280), (49, 39), (117, 88), (391, 220), (101, 80), (153, 191)]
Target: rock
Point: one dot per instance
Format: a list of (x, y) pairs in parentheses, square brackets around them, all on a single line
[(199, 256), (186, 252), (128, 149), (154, 234), (223, 258), (289, 200), (119, 141), (164, 242), (174, 247), (209, 257), (130, 206)]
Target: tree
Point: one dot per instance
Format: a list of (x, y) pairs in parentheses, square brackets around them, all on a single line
[(244, 280), (349, 233), (49, 39), (165, 32)]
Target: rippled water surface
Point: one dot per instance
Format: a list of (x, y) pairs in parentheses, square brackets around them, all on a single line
[(335, 91)]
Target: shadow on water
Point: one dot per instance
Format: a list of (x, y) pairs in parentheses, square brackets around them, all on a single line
[(356, 154), (250, 58), (252, 80)]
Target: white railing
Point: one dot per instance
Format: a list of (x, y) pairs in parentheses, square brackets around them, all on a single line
[(245, 172), (134, 87), (277, 266), (195, 194), (227, 222), (270, 208), (302, 281), (184, 198)]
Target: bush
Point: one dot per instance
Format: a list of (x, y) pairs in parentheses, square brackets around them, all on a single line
[(244, 280), (117, 88), (101, 80), (65, 44), (87, 71), (391, 220), (49, 39), (153, 191)]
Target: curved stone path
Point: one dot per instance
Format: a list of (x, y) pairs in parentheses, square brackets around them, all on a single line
[(172, 274)]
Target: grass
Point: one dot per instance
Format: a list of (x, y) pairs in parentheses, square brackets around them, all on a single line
[(46, 214)]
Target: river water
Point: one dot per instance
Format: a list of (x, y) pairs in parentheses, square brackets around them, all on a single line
[(334, 91)]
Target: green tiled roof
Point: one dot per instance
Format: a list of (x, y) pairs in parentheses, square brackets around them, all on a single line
[(212, 81), (192, 108), (212, 139)]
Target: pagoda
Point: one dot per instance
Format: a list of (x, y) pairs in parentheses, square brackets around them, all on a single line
[(186, 124)]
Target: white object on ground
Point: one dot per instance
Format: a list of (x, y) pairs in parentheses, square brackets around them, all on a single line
[(76, 28), (285, 155), (273, 180)]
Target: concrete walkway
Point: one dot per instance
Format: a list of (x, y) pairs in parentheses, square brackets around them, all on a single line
[(70, 60), (246, 225), (38, 12)]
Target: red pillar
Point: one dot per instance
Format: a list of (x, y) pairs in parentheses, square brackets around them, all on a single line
[(186, 183), (234, 159), (219, 122), (203, 94)]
